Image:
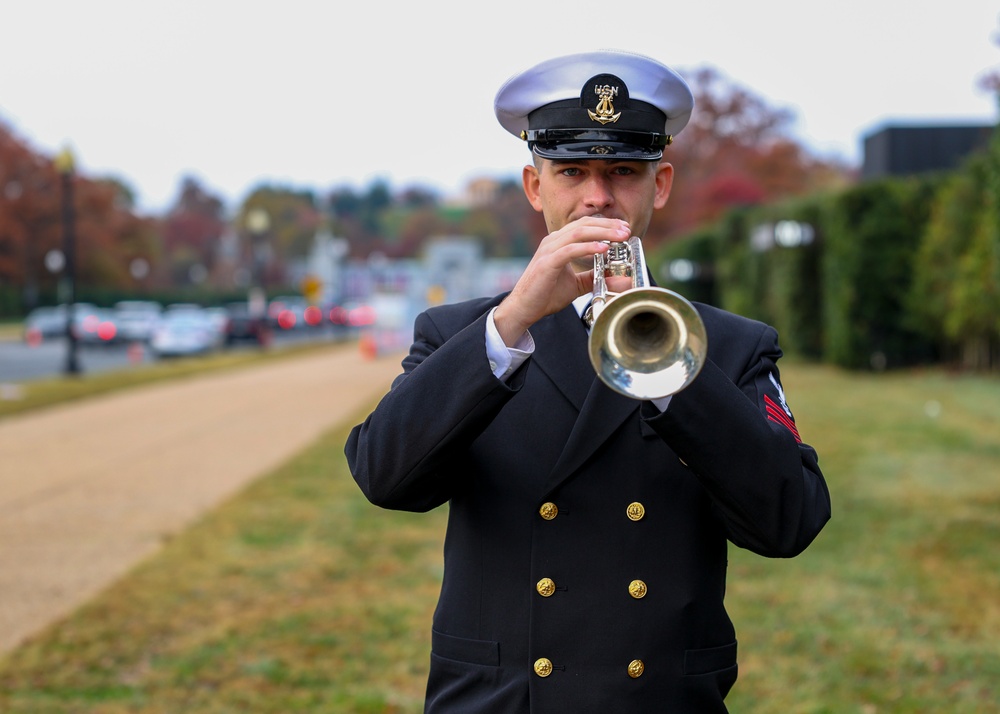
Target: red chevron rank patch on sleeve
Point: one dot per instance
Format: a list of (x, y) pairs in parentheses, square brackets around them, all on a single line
[(777, 414)]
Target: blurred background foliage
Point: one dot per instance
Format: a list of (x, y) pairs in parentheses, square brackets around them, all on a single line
[(735, 151), (892, 272)]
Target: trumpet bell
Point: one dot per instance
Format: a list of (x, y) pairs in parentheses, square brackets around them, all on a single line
[(648, 343)]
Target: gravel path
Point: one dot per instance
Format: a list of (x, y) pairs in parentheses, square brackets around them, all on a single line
[(87, 490)]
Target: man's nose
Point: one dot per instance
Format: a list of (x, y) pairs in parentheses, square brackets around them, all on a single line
[(598, 193)]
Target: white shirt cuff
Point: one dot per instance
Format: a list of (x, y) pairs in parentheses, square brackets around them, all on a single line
[(505, 360)]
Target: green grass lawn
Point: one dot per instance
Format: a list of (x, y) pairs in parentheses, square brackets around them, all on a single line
[(298, 596)]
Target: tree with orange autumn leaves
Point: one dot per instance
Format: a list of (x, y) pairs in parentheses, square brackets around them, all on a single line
[(736, 150), (109, 235)]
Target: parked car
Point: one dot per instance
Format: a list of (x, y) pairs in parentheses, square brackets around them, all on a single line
[(185, 332), (94, 325), (219, 317), (45, 322), (184, 307), (137, 319), (242, 325)]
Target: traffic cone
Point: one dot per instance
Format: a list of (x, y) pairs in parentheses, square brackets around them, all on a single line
[(368, 347)]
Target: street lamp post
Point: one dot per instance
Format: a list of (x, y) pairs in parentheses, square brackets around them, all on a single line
[(258, 223), (65, 164)]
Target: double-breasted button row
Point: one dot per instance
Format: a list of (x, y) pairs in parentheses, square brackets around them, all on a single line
[(543, 667), (635, 511), (546, 587)]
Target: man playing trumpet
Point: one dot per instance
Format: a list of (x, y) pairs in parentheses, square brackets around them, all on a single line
[(585, 558)]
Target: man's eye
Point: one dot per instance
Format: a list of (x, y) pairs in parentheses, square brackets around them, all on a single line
[(624, 170), (570, 171)]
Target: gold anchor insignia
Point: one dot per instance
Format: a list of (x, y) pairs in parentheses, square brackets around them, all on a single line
[(605, 113)]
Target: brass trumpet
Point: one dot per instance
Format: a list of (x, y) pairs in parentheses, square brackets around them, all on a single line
[(646, 342)]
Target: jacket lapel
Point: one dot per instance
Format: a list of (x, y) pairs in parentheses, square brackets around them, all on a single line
[(561, 353)]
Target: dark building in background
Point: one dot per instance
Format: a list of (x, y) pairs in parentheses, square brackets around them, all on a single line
[(907, 150)]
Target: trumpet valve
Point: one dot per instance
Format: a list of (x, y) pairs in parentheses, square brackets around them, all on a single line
[(619, 261)]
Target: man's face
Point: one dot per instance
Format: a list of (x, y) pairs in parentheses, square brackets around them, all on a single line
[(628, 190)]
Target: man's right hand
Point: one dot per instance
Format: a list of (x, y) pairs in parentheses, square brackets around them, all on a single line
[(552, 281)]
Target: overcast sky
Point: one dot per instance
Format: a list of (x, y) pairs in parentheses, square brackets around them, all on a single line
[(322, 94)]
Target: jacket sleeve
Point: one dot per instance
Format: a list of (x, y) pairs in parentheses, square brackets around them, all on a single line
[(739, 437), (403, 455)]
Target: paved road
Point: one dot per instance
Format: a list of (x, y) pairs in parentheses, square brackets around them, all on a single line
[(20, 361), (88, 490)]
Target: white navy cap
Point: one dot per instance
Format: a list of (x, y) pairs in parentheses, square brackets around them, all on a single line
[(608, 104)]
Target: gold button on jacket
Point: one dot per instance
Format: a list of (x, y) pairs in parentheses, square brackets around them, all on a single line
[(543, 667), (636, 511), (545, 587), (635, 668), (637, 589), (549, 511)]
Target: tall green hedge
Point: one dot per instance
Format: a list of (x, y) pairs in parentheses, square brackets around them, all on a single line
[(745, 270), (899, 271), (771, 266), (842, 296), (956, 289), (699, 251), (873, 233)]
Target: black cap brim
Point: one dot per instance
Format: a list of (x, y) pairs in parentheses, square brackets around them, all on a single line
[(610, 150)]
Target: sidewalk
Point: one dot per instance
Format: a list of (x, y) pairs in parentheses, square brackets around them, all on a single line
[(88, 490)]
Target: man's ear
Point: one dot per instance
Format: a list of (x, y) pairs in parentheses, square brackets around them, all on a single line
[(530, 181), (664, 181)]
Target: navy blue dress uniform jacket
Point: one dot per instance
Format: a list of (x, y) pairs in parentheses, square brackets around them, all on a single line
[(586, 549)]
